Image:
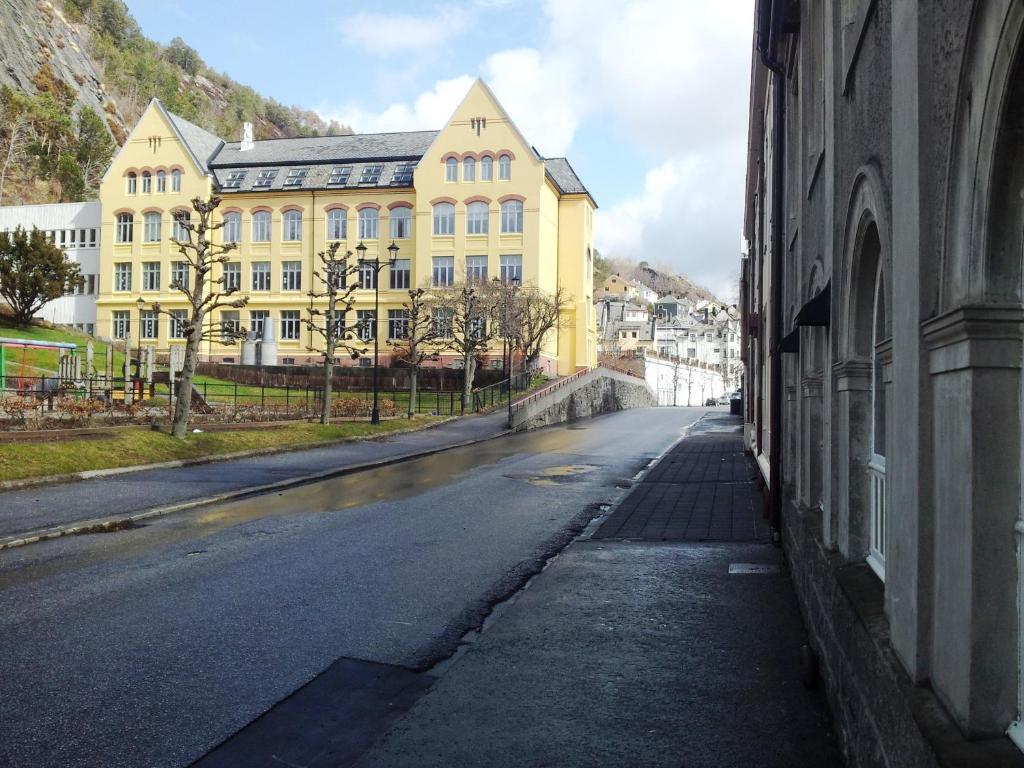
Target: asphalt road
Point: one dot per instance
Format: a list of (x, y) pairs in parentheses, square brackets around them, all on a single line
[(148, 647)]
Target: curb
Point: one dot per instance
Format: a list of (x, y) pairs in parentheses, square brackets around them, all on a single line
[(89, 474), (120, 522)]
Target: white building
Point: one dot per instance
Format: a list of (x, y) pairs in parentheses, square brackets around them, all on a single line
[(75, 227), (682, 382)]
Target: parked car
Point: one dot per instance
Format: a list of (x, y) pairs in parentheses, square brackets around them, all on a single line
[(723, 400), (709, 401)]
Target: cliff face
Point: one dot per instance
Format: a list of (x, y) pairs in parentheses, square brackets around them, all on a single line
[(72, 70), (35, 33)]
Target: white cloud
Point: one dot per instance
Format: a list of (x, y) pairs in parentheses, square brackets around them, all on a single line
[(667, 77), (404, 31), (429, 111)]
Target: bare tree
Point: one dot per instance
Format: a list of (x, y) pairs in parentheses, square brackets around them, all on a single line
[(333, 330), (418, 342), (460, 315), (205, 294), (535, 314)]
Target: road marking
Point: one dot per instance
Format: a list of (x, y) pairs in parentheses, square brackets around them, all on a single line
[(744, 568)]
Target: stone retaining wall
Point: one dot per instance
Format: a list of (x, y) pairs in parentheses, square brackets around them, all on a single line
[(600, 391)]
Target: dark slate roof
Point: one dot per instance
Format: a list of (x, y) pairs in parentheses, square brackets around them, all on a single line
[(336, 150), (564, 176), (316, 178), (201, 143)]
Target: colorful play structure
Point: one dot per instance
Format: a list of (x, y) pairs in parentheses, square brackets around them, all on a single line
[(16, 352)]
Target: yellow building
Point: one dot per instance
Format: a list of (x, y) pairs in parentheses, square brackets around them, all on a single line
[(473, 199)]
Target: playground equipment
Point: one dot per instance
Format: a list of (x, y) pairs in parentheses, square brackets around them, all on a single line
[(9, 353)]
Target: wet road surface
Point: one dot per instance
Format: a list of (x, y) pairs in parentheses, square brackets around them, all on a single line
[(150, 646)]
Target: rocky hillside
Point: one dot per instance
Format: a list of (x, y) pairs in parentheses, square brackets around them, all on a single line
[(70, 68), (660, 279)]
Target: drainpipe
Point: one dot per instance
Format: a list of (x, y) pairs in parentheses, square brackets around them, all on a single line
[(769, 28)]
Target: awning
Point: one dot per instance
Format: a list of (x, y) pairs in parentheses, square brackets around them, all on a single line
[(818, 310), (791, 343)]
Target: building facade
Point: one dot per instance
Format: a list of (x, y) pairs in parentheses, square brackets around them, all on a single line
[(470, 201), (883, 309), (75, 227)]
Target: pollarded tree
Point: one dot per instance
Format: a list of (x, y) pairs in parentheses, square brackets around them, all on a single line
[(459, 313), (204, 294), (330, 324), (33, 271), (535, 314), (418, 342)]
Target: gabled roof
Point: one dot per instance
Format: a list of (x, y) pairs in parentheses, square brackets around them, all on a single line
[(314, 150), (199, 142)]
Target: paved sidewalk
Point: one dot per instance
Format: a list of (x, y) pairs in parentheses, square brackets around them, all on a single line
[(31, 509), (652, 651)]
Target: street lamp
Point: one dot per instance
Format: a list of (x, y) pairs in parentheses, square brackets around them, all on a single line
[(507, 294), (140, 303), (377, 266)]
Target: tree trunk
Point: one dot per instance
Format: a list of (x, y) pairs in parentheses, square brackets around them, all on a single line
[(325, 410), (413, 375), (468, 372), (183, 404)]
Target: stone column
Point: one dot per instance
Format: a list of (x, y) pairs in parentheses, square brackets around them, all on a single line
[(974, 361), (853, 418)]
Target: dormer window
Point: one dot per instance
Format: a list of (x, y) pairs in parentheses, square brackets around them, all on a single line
[(235, 179), (296, 177), (371, 173), (403, 173), (265, 178), (339, 176)]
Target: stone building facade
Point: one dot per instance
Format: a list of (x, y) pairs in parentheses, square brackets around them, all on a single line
[(883, 336)]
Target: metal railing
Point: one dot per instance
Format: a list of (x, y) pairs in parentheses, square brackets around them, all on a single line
[(556, 385), (496, 394)]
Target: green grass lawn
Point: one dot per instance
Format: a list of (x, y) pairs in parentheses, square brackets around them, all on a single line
[(140, 446), (41, 362)]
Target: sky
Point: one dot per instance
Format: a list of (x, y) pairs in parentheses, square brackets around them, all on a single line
[(647, 98)]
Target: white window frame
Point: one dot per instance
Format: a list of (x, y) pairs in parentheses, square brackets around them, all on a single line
[(150, 276), (442, 272), (476, 269), (257, 318), (232, 229), (120, 324), (151, 227), (486, 168), (444, 219), (477, 215), (398, 323), (469, 169), (337, 224), (175, 181), (261, 226), (161, 182), (176, 320), (291, 325), (179, 272), (369, 224), (124, 230), (367, 321), (401, 222), (504, 168), (451, 170), (232, 276), (147, 183), (122, 276), (149, 324), (510, 267), (260, 278), (291, 275), (291, 226), (400, 274), (512, 217), (132, 184)]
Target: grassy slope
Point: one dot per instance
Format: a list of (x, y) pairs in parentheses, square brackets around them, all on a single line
[(44, 361), (138, 446)]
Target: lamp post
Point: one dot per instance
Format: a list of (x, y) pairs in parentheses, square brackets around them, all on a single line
[(140, 303), (507, 294), (377, 266)]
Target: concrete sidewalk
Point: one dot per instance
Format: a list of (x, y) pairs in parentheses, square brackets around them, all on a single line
[(55, 507), (647, 644)]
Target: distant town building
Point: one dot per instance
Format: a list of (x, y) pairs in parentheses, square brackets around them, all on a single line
[(75, 227)]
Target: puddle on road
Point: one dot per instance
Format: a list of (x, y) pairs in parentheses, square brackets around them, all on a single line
[(553, 476)]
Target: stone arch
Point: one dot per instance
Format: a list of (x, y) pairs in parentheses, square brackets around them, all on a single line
[(864, 276)]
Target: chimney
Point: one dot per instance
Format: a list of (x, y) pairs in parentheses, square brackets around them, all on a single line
[(247, 142)]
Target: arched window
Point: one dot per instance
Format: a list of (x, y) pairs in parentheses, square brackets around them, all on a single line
[(175, 181), (180, 230), (504, 167), (368, 218), (878, 527), (512, 216), (161, 181), (486, 168), (451, 169), (401, 222), (151, 227), (261, 227), (469, 169), (232, 227), (444, 219), (337, 224), (133, 182), (292, 223), (476, 218), (125, 224), (147, 183)]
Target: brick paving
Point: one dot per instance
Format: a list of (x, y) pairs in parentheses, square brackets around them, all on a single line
[(702, 490)]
